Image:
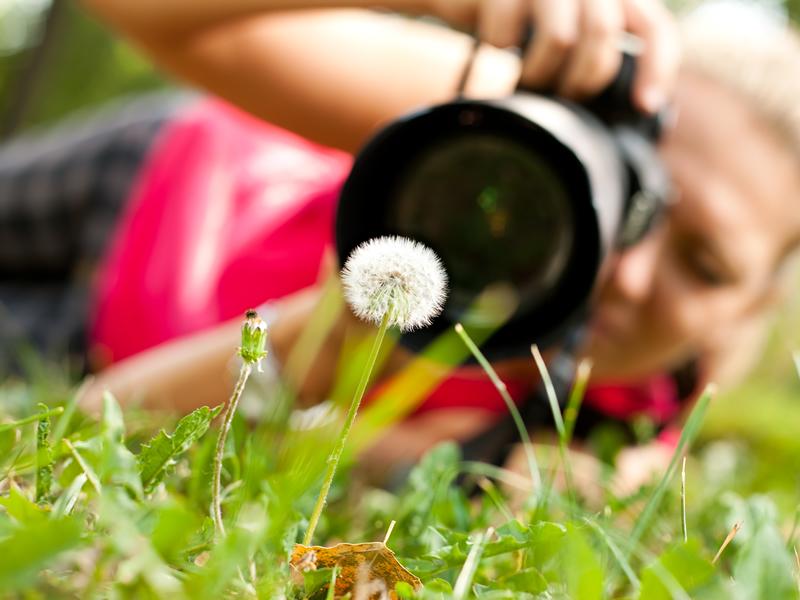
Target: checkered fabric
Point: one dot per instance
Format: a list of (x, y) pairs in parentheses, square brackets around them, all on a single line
[(61, 192)]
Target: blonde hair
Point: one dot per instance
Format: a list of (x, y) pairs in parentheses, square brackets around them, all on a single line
[(752, 51)]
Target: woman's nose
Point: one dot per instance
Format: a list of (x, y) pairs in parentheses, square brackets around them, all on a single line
[(635, 270)]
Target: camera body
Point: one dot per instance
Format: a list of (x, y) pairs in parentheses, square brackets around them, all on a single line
[(528, 195)]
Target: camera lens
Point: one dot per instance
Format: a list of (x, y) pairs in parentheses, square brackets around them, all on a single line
[(521, 198), (495, 212)]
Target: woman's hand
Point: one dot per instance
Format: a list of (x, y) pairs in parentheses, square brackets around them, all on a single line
[(576, 46)]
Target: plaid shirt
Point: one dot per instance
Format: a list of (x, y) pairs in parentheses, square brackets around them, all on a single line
[(61, 191)]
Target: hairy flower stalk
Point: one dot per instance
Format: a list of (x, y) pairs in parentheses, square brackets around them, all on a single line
[(252, 351), (391, 282)]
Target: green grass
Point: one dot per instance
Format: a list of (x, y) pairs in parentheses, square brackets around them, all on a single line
[(113, 507)]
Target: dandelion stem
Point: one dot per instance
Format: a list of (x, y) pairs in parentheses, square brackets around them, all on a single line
[(227, 419), (336, 453)]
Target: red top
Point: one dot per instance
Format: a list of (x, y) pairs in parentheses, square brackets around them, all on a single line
[(229, 212)]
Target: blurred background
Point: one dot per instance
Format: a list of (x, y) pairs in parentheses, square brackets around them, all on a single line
[(54, 60)]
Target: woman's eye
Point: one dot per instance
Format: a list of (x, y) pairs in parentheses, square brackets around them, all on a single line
[(707, 274), (703, 268)]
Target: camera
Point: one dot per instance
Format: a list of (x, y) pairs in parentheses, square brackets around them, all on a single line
[(530, 194)]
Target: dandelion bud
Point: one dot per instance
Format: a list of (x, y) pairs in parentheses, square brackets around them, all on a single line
[(397, 274), (254, 339)]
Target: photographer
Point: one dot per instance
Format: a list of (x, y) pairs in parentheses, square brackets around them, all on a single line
[(681, 300)]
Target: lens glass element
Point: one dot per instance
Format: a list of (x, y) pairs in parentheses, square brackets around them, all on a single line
[(496, 213)]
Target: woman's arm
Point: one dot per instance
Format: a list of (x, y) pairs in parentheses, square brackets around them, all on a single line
[(334, 76), (330, 76), (176, 376), (195, 370)]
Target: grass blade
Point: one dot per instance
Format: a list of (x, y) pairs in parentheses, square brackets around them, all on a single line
[(728, 539), (619, 556), (555, 408), (512, 407), (683, 501), (576, 397), (331, 595), (688, 435), (60, 428), (551, 391), (66, 501), (467, 574), (88, 471)]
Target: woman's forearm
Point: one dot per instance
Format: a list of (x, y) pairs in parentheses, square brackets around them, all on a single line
[(165, 20), (196, 370), (331, 76), (179, 375)]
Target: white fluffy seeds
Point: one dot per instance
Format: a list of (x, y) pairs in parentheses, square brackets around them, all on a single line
[(396, 273)]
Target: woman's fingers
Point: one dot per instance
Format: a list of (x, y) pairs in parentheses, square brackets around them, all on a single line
[(556, 30), (502, 23), (595, 60), (657, 65), (576, 44)]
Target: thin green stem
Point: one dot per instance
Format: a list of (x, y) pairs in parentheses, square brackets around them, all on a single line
[(227, 419), (512, 407), (336, 453)]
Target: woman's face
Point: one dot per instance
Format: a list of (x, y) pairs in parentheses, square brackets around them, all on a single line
[(711, 264)]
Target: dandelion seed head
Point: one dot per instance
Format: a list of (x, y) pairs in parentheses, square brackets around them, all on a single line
[(398, 273)]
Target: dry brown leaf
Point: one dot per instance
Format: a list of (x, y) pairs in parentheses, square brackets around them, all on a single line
[(359, 564)]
